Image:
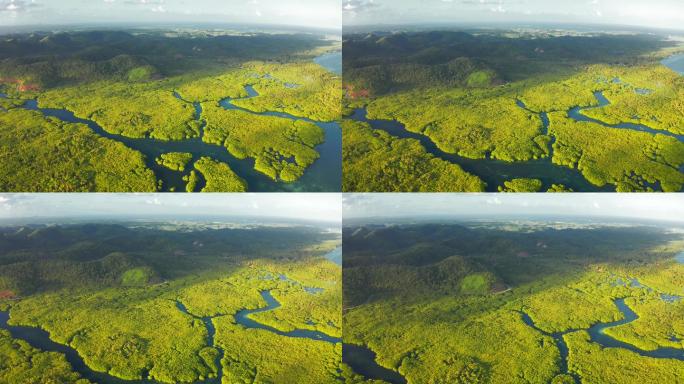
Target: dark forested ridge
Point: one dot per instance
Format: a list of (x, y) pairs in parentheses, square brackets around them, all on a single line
[(41, 258), (382, 62), (452, 251), (46, 59)]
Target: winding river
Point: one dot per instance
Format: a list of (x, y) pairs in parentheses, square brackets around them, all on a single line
[(495, 172), (577, 115), (362, 360), (242, 318), (597, 335), (40, 339), (324, 175)]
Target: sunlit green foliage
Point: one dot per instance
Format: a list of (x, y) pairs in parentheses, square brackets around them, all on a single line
[(633, 161), (10, 103), (125, 320), (142, 73), (121, 342), (472, 124), (192, 179), (306, 90), (219, 177), (651, 95), (257, 356), (375, 161), (84, 161), (174, 160), (138, 276), (282, 148), (483, 95), (480, 79), (559, 188), (144, 84), (591, 362), (521, 185), (440, 318), (659, 324), (215, 88), (21, 363), (322, 306), (133, 110)]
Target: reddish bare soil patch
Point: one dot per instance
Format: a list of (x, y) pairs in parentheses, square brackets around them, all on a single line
[(7, 294), (356, 93)]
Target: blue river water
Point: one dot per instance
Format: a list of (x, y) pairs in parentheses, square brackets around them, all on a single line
[(331, 61), (335, 256), (577, 115), (362, 360), (597, 335), (242, 318), (493, 172), (675, 63)]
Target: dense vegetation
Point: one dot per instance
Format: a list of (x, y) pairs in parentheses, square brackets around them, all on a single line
[(112, 292), (444, 302), (166, 85), (373, 160), (282, 148), (21, 363), (485, 96), (176, 161), (84, 161), (219, 177)]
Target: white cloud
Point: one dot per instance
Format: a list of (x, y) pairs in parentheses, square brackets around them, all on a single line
[(647, 206), (309, 206), (154, 201), (494, 201)]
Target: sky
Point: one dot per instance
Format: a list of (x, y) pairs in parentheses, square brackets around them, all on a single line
[(308, 206), (617, 205), (650, 13), (306, 13)]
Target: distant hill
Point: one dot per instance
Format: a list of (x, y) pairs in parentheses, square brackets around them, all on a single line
[(453, 259), (380, 63)]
